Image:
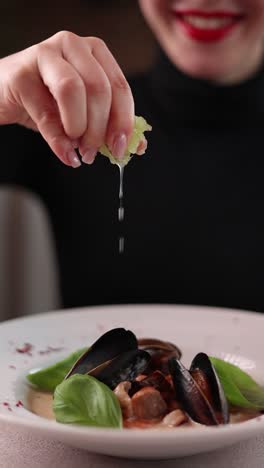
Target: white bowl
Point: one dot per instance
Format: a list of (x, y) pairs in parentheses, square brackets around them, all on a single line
[(229, 334)]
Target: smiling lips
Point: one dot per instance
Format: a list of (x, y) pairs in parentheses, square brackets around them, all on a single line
[(207, 26)]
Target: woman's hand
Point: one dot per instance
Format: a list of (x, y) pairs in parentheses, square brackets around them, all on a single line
[(72, 91)]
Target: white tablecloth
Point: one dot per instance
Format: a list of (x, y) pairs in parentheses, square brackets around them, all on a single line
[(23, 450)]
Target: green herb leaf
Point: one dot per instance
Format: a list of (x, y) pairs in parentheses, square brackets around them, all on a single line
[(240, 389), (47, 379), (84, 400)]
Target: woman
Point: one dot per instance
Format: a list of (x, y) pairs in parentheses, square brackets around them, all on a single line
[(194, 227)]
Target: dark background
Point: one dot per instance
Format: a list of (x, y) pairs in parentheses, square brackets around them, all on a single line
[(118, 22)]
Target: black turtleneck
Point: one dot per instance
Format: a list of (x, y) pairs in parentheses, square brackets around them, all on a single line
[(194, 225)]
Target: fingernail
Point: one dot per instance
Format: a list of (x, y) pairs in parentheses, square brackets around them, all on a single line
[(142, 146), (73, 159), (119, 146), (89, 155), (75, 143)]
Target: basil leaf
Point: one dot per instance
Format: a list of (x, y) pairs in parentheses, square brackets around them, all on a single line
[(239, 388), (82, 399), (48, 378)]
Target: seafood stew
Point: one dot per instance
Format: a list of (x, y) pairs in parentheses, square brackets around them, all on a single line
[(123, 381)]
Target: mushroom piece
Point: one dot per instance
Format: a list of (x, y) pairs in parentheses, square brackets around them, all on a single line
[(148, 403), (121, 391)]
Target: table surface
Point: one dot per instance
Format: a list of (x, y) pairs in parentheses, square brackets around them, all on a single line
[(22, 449)]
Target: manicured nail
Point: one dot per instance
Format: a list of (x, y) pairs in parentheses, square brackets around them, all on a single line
[(89, 155), (119, 146), (75, 143), (73, 159), (142, 146)]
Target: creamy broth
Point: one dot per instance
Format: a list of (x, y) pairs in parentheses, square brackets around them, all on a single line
[(40, 403)]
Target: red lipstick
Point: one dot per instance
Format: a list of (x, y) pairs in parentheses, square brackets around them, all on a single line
[(207, 26)]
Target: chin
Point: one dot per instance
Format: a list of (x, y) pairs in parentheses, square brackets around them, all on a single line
[(209, 70)]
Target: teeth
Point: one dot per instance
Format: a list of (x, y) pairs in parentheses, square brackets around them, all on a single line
[(207, 23)]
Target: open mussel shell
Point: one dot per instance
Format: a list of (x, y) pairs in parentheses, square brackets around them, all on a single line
[(158, 345), (190, 396), (106, 348), (204, 374), (125, 367), (161, 352)]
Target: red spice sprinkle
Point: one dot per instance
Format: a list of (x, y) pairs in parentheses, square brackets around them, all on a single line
[(26, 349), (12, 367), (5, 403), (19, 404), (9, 409)]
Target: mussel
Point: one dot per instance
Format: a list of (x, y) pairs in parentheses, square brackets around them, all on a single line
[(199, 391), (117, 356), (113, 358), (160, 352)]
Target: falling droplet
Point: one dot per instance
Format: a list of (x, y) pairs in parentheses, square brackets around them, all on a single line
[(121, 244), (121, 211)]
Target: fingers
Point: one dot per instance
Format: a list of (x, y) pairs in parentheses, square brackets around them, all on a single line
[(121, 119), (98, 95), (142, 146), (73, 91), (67, 88), (110, 105), (42, 110)]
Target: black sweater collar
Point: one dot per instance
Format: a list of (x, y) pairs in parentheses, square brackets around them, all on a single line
[(196, 101)]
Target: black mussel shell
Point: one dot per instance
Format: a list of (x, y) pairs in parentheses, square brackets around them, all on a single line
[(189, 395), (161, 352), (203, 372), (152, 344), (125, 367), (107, 347)]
